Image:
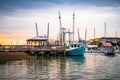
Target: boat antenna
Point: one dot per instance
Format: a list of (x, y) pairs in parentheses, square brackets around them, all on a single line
[(36, 29), (73, 25)]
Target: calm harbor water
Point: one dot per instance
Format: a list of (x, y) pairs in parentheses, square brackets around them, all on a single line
[(93, 66)]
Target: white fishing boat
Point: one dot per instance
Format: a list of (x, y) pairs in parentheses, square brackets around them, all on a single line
[(91, 48), (108, 49)]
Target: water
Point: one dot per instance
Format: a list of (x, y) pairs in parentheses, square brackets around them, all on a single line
[(93, 66)]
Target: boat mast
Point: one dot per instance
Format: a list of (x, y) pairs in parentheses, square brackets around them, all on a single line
[(48, 32), (60, 30), (69, 36), (94, 33), (73, 26), (105, 30), (85, 34), (78, 35), (36, 29), (115, 33), (60, 20)]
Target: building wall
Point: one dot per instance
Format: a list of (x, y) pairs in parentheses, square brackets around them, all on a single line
[(110, 39)]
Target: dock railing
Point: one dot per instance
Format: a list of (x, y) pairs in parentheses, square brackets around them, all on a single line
[(21, 48)]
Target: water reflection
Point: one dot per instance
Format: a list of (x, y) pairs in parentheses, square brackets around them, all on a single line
[(47, 67), (76, 58), (13, 70), (90, 67), (74, 63)]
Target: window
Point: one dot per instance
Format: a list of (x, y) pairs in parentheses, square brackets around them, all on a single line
[(67, 47), (71, 45), (75, 45)]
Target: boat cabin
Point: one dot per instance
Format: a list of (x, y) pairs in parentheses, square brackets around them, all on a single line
[(74, 45)]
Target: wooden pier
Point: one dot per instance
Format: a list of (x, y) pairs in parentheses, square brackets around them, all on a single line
[(34, 50)]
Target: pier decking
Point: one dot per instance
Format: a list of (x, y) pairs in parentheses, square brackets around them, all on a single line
[(34, 50)]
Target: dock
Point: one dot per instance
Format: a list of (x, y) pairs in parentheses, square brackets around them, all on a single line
[(34, 50)]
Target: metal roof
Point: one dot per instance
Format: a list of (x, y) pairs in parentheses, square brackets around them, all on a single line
[(107, 44), (38, 38)]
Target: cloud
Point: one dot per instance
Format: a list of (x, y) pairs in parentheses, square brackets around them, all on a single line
[(8, 7), (93, 2), (19, 16)]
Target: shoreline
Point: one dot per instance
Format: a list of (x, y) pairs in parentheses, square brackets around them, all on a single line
[(12, 56)]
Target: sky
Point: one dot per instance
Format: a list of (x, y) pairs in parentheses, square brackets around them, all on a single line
[(18, 18)]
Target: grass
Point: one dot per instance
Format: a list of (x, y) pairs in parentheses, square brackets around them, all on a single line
[(11, 56)]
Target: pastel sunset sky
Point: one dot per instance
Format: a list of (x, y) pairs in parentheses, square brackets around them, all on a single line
[(18, 17)]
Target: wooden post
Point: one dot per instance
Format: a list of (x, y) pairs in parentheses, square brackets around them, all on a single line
[(64, 49)]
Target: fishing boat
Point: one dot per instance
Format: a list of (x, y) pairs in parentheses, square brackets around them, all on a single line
[(91, 48), (72, 48), (75, 49), (108, 49)]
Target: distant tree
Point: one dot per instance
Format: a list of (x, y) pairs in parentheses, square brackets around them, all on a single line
[(100, 44), (95, 42)]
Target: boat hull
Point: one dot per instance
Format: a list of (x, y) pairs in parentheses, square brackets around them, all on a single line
[(76, 52), (109, 53)]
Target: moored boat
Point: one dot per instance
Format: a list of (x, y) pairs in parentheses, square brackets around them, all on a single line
[(110, 53), (72, 48), (108, 49), (91, 48), (75, 49)]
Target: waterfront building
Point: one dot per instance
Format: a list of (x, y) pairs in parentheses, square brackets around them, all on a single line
[(109, 39), (37, 42)]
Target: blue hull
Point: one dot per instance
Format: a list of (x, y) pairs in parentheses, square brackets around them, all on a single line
[(76, 52)]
